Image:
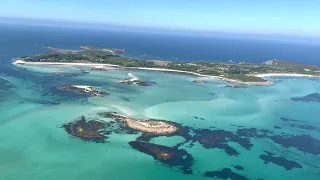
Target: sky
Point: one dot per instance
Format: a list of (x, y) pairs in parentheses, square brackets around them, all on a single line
[(283, 17)]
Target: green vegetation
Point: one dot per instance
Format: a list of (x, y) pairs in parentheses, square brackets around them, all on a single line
[(243, 72)]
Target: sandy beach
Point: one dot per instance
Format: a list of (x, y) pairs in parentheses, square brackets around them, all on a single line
[(18, 61), (266, 83), (285, 75)]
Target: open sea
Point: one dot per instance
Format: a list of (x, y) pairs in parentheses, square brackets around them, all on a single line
[(254, 133)]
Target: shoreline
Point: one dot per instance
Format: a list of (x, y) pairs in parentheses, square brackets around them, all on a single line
[(286, 75), (266, 83)]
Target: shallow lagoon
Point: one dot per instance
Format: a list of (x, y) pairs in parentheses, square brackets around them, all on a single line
[(34, 146)]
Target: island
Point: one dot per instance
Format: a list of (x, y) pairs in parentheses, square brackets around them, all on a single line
[(83, 90), (242, 73), (155, 127), (88, 130), (134, 80)]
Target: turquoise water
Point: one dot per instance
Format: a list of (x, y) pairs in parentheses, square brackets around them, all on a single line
[(33, 146), (32, 110)]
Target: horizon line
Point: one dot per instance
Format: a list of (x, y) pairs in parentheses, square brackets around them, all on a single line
[(98, 25)]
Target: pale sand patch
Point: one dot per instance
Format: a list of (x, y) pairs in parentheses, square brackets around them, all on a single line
[(148, 126)]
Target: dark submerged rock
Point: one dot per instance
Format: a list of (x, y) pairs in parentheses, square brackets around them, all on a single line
[(280, 161), (235, 86), (219, 139), (253, 132), (171, 156), (5, 85), (304, 143), (290, 120), (305, 127), (238, 167), (86, 130), (198, 81), (71, 75), (300, 124), (125, 98), (225, 173), (314, 97), (138, 82)]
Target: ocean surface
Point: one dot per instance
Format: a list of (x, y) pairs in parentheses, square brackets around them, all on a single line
[(238, 133)]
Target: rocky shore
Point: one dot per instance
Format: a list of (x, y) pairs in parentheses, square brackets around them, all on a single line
[(156, 127), (83, 90), (171, 156), (137, 82), (86, 130)]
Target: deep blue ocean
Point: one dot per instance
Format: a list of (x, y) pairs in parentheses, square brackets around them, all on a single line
[(144, 45)]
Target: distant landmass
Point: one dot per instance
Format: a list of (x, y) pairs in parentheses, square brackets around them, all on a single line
[(245, 73)]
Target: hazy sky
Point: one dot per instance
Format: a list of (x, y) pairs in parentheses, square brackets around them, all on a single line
[(295, 17)]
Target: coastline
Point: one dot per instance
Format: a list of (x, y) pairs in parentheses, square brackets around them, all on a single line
[(266, 83), (18, 61), (286, 75)]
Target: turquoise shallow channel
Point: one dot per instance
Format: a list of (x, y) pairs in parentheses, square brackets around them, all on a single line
[(283, 133)]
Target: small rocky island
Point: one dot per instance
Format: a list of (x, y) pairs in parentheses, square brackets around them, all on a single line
[(134, 80), (171, 156), (91, 130), (83, 90), (156, 127)]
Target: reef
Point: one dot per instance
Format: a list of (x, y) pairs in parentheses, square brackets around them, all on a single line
[(306, 127), (225, 173), (171, 156), (211, 139), (314, 97), (253, 132), (196, 117), (67, 75), (235, 86), (219, 139), (238, 167), (198, 81), (138, 82), (98, 68), (83, 90), (300, 124), (304, 143), (280, 161), (125, 98), (291, 120), (5, 85), (92, 130)]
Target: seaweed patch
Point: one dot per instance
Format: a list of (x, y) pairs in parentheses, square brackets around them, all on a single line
[(225, 173), (314, 97), (280, 161), (304, 143)]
